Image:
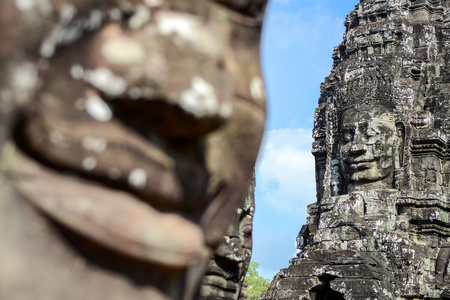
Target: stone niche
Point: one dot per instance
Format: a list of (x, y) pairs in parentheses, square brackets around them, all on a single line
[(380, 227)]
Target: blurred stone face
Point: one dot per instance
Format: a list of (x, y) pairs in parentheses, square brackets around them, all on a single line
[(156, 105), (366, 147), (148, 104), (228, 265)]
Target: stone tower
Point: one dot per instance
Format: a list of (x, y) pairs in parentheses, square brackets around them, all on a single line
[(380, 227)]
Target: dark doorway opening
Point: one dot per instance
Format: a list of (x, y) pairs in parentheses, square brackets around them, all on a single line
[(328, 294), (324, 291)]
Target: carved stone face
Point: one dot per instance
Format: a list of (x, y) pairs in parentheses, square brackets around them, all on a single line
[(165, 103), (156, 107), (229, 263), (367, 148)]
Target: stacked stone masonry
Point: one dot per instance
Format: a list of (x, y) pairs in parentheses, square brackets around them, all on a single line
[(380, 227)]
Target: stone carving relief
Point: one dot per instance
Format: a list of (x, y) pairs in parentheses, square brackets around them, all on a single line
[(128, 132), (367, 148), (229, 263), (380, 226)]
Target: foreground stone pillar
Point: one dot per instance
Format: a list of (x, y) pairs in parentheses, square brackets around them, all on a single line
[(128, 132), (380, 228), (228, 265)]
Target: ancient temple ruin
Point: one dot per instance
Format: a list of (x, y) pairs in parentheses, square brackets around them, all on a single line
[(380, 227)]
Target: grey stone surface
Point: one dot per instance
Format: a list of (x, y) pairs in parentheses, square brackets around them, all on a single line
[(228, 265), (128, 132), (380, 227)]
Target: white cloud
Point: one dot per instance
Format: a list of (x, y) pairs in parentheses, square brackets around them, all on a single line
[(285, 171)]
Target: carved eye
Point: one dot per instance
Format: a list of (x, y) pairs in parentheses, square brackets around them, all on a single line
[(363, 128), (248, 229), (348, 136), (371, 133)]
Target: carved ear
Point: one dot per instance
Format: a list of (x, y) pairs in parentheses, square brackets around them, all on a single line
[(399, 152), (401, 143)]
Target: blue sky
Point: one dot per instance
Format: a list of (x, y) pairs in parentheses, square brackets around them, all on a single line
[(299, 37)]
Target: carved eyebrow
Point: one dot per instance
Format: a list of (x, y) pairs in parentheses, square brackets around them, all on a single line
[(386, 128)]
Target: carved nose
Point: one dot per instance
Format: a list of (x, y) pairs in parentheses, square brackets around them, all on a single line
[(358, 148), (231, 249)]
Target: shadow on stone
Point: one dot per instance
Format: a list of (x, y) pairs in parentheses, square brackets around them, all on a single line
[(324, 291)]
